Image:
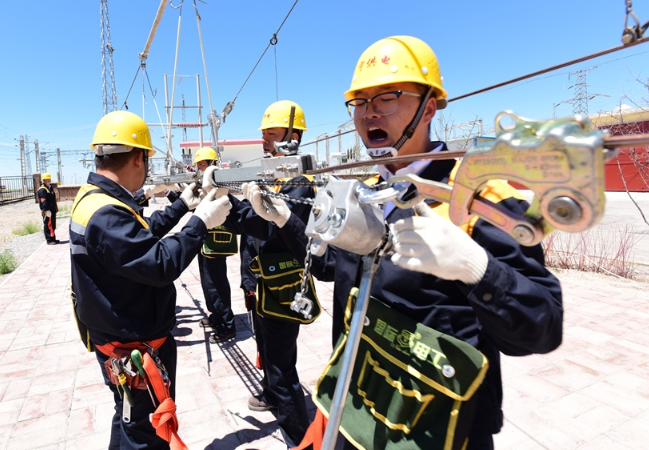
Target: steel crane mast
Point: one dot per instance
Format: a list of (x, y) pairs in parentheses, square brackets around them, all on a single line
[(109, 93)]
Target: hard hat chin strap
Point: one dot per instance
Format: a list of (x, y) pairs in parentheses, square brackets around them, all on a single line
[(410, 129), (387, 152), (145, 158)]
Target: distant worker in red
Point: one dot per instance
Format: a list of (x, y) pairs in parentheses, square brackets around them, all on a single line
[(47, 203)]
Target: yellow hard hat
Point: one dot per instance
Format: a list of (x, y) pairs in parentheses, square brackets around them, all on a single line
[(117, 131), (205, 154), (46, 176), (278, 115), (398, 59)]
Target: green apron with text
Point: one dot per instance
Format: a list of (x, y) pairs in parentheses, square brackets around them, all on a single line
[(411, 387), (280, 278), (219, 242)]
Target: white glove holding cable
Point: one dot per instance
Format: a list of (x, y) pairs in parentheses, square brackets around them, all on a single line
[(48, 213), (213, 212), (191, 196), (431, 244), (208, 179), (151, 189), (270, 208)]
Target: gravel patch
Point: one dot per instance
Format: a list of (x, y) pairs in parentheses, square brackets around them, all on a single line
[(22, 248), (11, 217)]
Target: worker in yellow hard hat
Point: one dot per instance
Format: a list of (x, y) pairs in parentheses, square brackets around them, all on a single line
[(444, 287), (212, 264), (275, 126), (276, 325), (123, 273), (49, 208)]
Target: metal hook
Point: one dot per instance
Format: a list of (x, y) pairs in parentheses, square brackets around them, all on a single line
[(198, 16), (273, 40), (176, 7)]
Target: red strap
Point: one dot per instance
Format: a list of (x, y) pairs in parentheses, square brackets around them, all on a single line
[(164, 418), (258, 362), (314, 433), (109, 348)]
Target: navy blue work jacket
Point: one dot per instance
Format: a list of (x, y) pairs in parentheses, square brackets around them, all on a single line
[(123, 273), (515, 309), (47, 199)]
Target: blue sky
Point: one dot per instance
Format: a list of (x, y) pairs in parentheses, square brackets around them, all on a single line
[(50, 61)]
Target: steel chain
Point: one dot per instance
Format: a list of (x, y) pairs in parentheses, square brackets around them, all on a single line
[(236, 186), (307, 267)]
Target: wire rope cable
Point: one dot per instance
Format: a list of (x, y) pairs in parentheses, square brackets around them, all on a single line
[(550, 69), (276, 80), (213, 118), (125, 104), (265, 50), (153, 95), (173, 88)]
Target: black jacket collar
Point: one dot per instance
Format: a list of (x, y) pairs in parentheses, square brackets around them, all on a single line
[(435, 171), (113, 189)]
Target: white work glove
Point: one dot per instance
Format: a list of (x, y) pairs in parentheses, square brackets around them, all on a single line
[(151, 189), (208, 178), (191, 196), (48, 213), (213, 212), (431, 244), (269, 208)]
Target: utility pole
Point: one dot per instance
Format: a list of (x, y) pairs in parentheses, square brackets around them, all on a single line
[(185, 120), (28, 161), (60, 166), (327, 151), (109, 93), (38, 156), (23, 173)]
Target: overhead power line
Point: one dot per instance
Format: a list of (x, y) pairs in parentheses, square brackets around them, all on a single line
[(550, 69)]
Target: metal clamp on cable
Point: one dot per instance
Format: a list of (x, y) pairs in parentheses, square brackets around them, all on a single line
[(339, 218), (560, 160)]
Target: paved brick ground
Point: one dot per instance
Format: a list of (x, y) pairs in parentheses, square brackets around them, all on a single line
[(592, 393)]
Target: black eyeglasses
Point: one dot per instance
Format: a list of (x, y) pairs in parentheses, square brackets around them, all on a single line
[(384, 104)]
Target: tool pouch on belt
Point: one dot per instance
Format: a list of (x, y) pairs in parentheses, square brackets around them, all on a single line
[(411, 387), (136, 382), (280, 279), (220, 242)]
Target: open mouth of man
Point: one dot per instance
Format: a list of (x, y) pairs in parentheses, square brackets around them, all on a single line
[(376, 135)]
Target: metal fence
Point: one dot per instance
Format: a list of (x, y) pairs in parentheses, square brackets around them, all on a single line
[(336, 147), (13, 189)]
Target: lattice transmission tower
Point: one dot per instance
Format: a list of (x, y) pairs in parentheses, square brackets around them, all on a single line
[(109, 93), (580, 98)]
